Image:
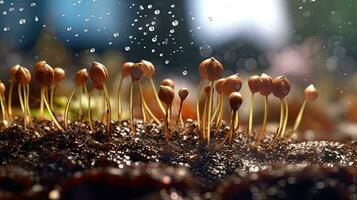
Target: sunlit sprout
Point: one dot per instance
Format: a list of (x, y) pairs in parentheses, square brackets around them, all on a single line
[(166, 95), (281, 88), (254, 83), (310, 94), (58, 75), (23, 78), (44, 76), (81, 78), (136, 73), (125, 72), (265, 90), (183, 93), (99, 76), (5, 117), (218, 113), (13, 71)]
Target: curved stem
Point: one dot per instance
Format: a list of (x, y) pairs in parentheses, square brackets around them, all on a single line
[(299, 117), (198, 103), (131, 108), (28, 103), (281, 121), (52, 95), (262, 131), (156, 96), (285, 119), (109, 108), (66, 110), (3, 110), (236, 121), (220, 115), (52, 114), (203, 127), (90, 110), (232, 127), (210, 102), (9, 101), (179, 116), (41, 102), (167, 123), (251, 113), (20, 98), (80, 110), (147, 109), (119, 98), (25, 107), (216, 110)]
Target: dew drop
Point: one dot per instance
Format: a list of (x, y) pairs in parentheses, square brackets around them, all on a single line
[(110, 43), (116, 34), (69, 28), (92, 50), (127, 48), (141, 7), (36, 19), (151, 28), (172, 6), (22, 21), (167, 62), (154, 39), (33, 4), (149, 6), (175, 23), (157, 12), (6, 29), (172, 31), (184, 72)]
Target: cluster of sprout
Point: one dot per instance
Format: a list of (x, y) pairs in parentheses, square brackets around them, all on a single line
[(211, 115)]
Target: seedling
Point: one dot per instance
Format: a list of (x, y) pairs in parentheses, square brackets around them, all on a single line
[(265, 90), (136, 73), (203, 76), (99, 76), (235, 101), (44, 75), (183, 93), (281, 88), (166, 95), (218, 113), (206, 92), (310, 94), (5, 118), (58, 75), (125, 72), (13, 71), (231, 84), (81, 78), (23, 78), (254, 83)]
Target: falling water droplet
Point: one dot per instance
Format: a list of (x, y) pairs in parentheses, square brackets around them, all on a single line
[(127, 48), (149, 6), (167, 62), (154, 39), (22, 21), (157, 12), (33, 4), (36, 19), (151, 28), (184, 72), (175, 23), (6, 29), (116, 34), (172, 31), (92, 50)]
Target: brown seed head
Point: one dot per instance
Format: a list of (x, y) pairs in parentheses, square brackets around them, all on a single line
[(183, 93), (98, 73), (211, 69), (13, 71), (232, 83), (2, 88), (310, 93), (220, 85), (136, 72), (148, 68), (81, 77), (44, 74), (125, 69), (166, 94), (254, 83), (266, 84), (235, 100), (23, 76), (281, 87), (168, 82), (59, 75)]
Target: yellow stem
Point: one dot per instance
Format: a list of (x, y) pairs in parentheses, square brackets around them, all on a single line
[(41, 102), (299, 117), (198, 103), (281, 121), (66, 110), (236, 122), (251, 113), (203, 126), (25, 107), (209, 114), (90, 110), (156, 96), (232, 127), (4, 115), (215, 113), (262, 131), (52, 95), (120, 99), (80, 110), (146, 107), (285, 119), (20, 98), (131, 108), (109, 108), (167, 123), (28, 103), (179, 117), (52, 114), (9, 102)]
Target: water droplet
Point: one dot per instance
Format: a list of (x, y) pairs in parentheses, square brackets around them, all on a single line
[(21, 9), (110, 43), (85, 30), (184, 72), (127, 48), (175, 23), (11, 9), (151, 28), (69, 28), (153, 50), (4, 12), (6, 29), (172, 6), (22, 21), (92, 50), (140, 28), (116, 34), (157, 12), (2, 2), (141, 7), (154, 39), (36, 19), (167, 62), (76, 35), (149, 6), (172, 31), (161, 54), (153, 22)]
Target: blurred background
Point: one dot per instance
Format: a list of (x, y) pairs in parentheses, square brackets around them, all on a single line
[(309, 41)]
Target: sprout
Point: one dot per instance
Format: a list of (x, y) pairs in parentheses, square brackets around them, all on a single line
[(99, 75), (265, 90), (125, 72), (81, 78), (44, 75), (254, 83), (281, 88), (211, 69), (58, 75), (235, 101), (310, 95), (183, 93), (23, 77), (5, 117), (13, 71), (218, 113), (166, 95)]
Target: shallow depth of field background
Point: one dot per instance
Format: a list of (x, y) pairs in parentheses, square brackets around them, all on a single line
[(309, 41)]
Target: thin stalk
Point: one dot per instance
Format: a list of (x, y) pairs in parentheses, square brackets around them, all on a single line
[(80, 110), (203, 126), (179, 116), (143, 108), (216, 110), (25, 107), (232, 127), (281, 121), (90, 110), (198, 103), (52, 94), (41, 102), (28, 101), (167, 123), (120, 109), (262, 131), (131, 108), (109, 108), (20, 98), (220, 115), (209, 114), (52, 114), (156, 96), (3, 110), (251, 113), (149, 112), (9, 101), (67, 108), (299, 117), (236, 121), (285, 119)]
